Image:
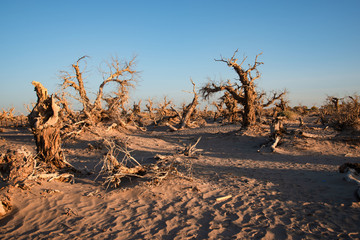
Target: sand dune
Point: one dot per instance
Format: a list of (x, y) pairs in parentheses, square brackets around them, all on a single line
[(296, 193)]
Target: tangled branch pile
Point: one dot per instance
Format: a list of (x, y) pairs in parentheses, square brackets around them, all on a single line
[(114, 170)]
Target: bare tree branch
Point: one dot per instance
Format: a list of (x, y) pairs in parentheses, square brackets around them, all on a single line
[(275, 96), (120, 73), (244, 93)]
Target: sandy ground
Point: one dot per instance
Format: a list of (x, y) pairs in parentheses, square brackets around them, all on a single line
[(294, 193)]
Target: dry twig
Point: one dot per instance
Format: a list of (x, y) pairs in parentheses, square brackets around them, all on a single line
[(116, 170)]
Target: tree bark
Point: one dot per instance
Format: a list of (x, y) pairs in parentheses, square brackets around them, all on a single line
[(249, 117), (45, 125)]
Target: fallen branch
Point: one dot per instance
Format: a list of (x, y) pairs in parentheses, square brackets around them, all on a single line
[(171, 127), (63, 177), (219, 199), (276, 142), (74, 133), (351, 176), (115, 179), (190, 149), (117, 170), (310, 135)]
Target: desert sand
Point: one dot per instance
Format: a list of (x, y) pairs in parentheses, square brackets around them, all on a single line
[(235, 191)]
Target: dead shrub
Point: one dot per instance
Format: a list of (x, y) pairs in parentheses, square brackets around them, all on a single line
[(290, 115), (178, 164), (113, 169), (302, 110), (341, 113)]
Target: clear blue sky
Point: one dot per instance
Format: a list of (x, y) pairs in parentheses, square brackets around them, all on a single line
[(312, 48)]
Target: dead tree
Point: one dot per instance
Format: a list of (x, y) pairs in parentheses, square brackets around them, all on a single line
[(233, 111), (45, 124), (187, 111), (137, 108), (244, 93), (7, 116), (335, 101), (66, 111), (283, 105), (165, 114), (150, 109), (342, 113), (135, 116), (163, 111), (220, 110), (122, 74)]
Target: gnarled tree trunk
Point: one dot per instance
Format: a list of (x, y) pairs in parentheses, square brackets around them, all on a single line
[(244, 93), (45, 125)]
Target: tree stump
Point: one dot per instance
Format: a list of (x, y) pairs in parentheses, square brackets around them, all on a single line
[(45, 124)]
